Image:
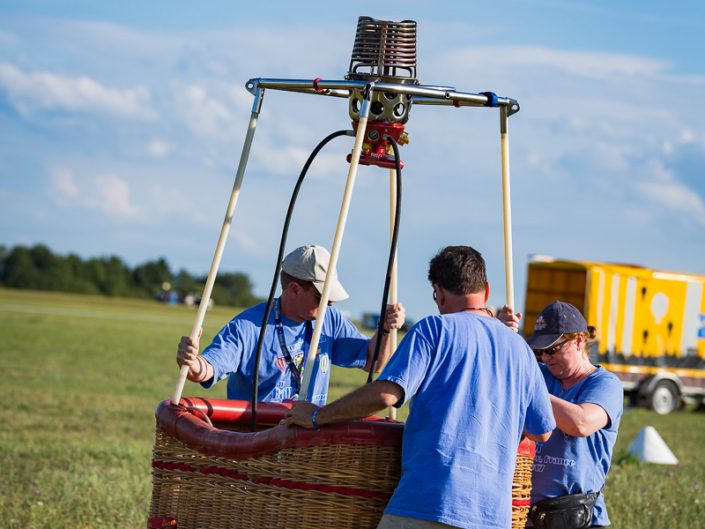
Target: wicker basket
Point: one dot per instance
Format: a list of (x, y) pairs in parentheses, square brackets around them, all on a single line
[(521, 484), (215, 477)]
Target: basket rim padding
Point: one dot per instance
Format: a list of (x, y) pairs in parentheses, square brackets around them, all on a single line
[(195, 433), (527, 448), (239, 411)]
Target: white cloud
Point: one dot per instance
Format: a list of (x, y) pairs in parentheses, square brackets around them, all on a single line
[(107, 193), (289, 159), (203, 112), (113, 196), (687, 136), (65, 184), (595, 65), (676, 197), (48, 91), (668, 193), (158, 148), (252, 244)]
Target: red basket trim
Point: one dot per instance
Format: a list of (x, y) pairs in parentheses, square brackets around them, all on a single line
[(527, 448), (161, 522), (263, 480)]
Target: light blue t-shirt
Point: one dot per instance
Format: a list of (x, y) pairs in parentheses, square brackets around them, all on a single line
[(232, 354), (572, 465), (473, 386)]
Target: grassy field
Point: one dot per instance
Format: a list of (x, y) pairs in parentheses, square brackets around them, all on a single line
[(82, 378)]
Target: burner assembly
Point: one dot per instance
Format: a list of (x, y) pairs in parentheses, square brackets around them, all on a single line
[(383, 52), (381, 86)]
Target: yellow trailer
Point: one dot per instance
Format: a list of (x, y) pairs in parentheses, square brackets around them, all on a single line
[(650, 324)]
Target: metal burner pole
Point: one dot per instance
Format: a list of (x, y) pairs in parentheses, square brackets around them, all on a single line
[(507, 206), (224, 231), (335, 250)]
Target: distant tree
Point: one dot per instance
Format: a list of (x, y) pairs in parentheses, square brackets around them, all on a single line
[(148, 277), (119, 281), (108, 275), (39, 268), (20, 271), (185, 284), (3, 258), (81, 280), (53, 274), (234, 289), (96, 273)]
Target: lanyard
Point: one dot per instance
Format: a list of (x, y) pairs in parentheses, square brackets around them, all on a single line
[(295, 370)]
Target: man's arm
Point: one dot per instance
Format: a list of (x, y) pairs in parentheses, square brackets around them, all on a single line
[(200, 369), (360, 403), (578, 420), (394, 319)]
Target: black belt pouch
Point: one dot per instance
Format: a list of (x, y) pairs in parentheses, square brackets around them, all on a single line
[(573, 511)]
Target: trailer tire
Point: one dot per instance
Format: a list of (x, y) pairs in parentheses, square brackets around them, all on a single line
[(665, 398)]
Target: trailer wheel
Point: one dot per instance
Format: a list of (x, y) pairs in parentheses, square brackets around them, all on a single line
[(665, 398)]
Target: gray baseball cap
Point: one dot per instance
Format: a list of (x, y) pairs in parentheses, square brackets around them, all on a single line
[(310, 263)]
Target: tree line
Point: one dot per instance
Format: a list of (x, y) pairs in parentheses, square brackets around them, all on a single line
[(38, 268)]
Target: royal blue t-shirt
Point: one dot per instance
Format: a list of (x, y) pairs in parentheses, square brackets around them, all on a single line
[(572, 465), (232, 354), (473, 386)]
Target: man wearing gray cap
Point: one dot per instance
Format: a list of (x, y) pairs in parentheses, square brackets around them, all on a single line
[(287, 337)]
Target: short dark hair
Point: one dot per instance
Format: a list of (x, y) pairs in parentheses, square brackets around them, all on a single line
[(287, 279), (458, 269)]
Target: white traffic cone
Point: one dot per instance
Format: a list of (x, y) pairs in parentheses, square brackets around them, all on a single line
[(650, 447)]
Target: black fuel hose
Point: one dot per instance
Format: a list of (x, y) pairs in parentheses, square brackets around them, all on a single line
[(390, 263), (275, 279)]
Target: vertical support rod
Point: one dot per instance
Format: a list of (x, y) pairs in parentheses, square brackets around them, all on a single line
[(507, 208), (335, 249), (224, 231), (393, 298)]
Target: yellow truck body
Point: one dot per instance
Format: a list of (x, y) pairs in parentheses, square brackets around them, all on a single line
[(650, 323)]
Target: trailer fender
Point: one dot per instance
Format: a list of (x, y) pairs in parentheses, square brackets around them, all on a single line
[(648, 385), (663, 393)]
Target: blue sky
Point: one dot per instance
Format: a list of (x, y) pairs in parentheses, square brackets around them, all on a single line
[(121, 127)]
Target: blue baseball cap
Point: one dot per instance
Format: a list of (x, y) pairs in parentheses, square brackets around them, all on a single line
[(557, 319)]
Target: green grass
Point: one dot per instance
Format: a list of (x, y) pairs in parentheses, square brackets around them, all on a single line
[(83, 375)]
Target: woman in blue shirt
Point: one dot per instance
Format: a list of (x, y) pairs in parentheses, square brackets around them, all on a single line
[(587, 404)]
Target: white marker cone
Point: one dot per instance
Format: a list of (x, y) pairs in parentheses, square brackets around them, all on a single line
[(650, 447)]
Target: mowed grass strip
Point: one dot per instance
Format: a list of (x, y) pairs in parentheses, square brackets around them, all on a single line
[(83, 375)]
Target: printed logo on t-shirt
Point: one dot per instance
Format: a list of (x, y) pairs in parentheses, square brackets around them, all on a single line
[(298, 358), (319, 399), (283, 391), (540, 461), (323, 362), (281, 364)]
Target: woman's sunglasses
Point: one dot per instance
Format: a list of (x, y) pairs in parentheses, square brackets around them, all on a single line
[(553, 349)]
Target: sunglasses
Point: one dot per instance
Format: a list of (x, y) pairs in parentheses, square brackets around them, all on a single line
[(553, 349)]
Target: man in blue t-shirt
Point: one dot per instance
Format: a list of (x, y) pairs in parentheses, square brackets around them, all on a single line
[(287, 337), (473, 388)]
